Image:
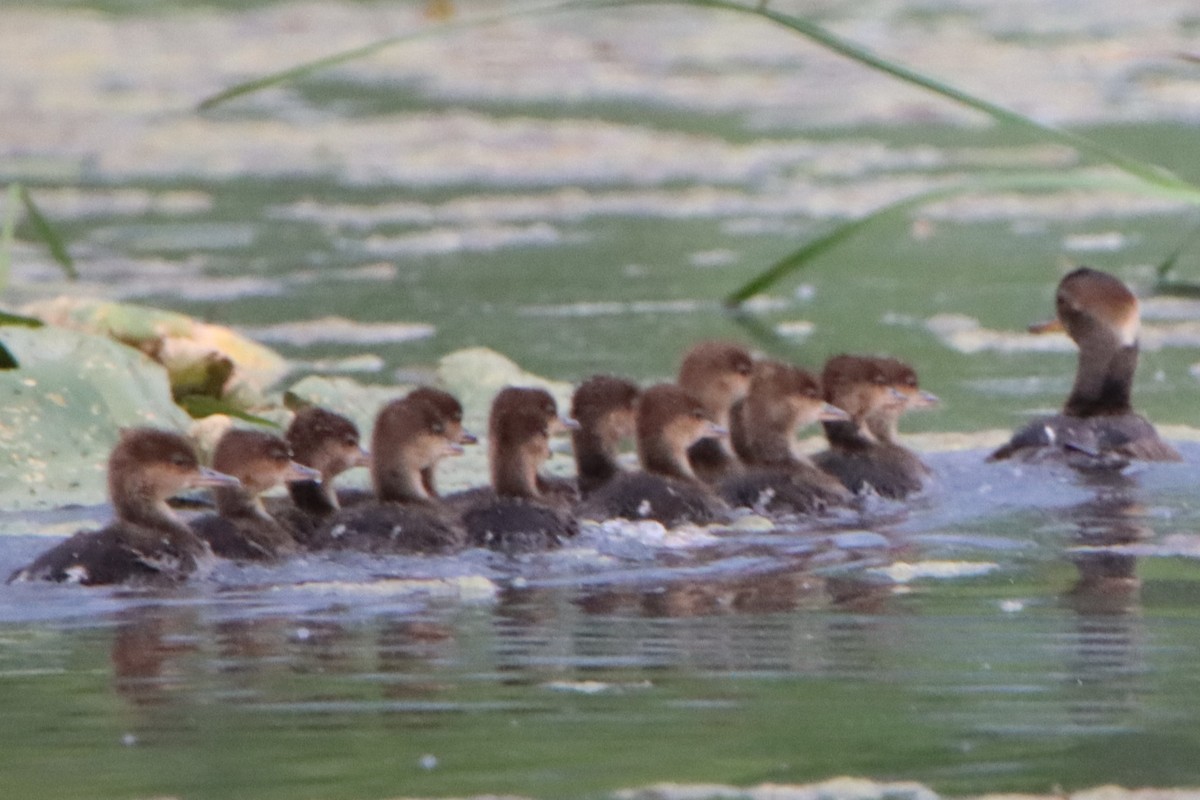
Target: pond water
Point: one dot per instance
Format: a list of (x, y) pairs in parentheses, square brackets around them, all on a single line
[(578, 192)]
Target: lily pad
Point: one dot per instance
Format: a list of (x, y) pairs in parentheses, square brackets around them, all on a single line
[(476, 374), (62, 410), (201, 358)]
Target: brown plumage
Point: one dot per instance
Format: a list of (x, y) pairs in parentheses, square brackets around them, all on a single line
[(718, 375), (518, 515), (669, 421), (410, 435), (330, 444), (147, 542), (606, 409), (1097, 426), (242, 529), (782, 400), (863, 387)]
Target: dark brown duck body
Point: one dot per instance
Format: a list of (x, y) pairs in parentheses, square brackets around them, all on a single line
[(606, 409), (777, 480), (329, 443), (242, 529), (147, 542), (862, 386), (669, 421), (517, 515), (410, 436), (718, 375), (1097, 427)]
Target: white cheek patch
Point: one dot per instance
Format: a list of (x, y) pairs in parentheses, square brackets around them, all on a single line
[(1129, 326)]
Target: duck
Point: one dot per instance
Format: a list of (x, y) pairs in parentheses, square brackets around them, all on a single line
[(1097, 426), (884, 421), (782, 399), (518, 515), (605, 407), (717, 373), (862, 387), (242, 530), (452, 417), (669, 421), (410, 435), (147, 542), (329, 443)]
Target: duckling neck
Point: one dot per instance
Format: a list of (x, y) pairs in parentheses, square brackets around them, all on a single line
[(154, 514), (1103, 382), (318, 497), (234, 502), (660, 457), (768, 441), (514, 475), (848, 435), (595, 458), (399, 483)]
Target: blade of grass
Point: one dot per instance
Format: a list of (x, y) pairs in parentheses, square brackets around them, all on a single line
[(17, 319), (337, 59), (8, 231), (45, 231), (809, 252), (199, 406), (1149, 172)]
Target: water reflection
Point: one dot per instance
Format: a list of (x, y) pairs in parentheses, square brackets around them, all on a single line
[(1106, 663)]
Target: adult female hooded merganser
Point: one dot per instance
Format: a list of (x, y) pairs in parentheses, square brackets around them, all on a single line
[(410, 435), (718, 375), (1097, 426), (330, 444), (606, 409), (242, 529), (669, 421), (518, 515), (782, 400), (147, 542), (863, 388)]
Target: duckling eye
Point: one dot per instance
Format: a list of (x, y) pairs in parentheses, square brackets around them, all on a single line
[(878, 380), (698, 415), (180, 460), (350, 441), (437, 427)]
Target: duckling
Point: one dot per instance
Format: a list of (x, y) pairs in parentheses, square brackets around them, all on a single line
[(605, 408), (330, 444), (147, 542), (1097, 426), (518, 515), (718, 375), (782, 400), (242, 529), (669, 421), (410, 436), (861, 386), (884, 421), (452, 416)]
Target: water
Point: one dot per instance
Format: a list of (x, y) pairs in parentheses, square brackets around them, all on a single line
[(578, 193)]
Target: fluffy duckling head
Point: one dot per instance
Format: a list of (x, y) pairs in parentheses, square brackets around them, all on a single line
[(717, 374)]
